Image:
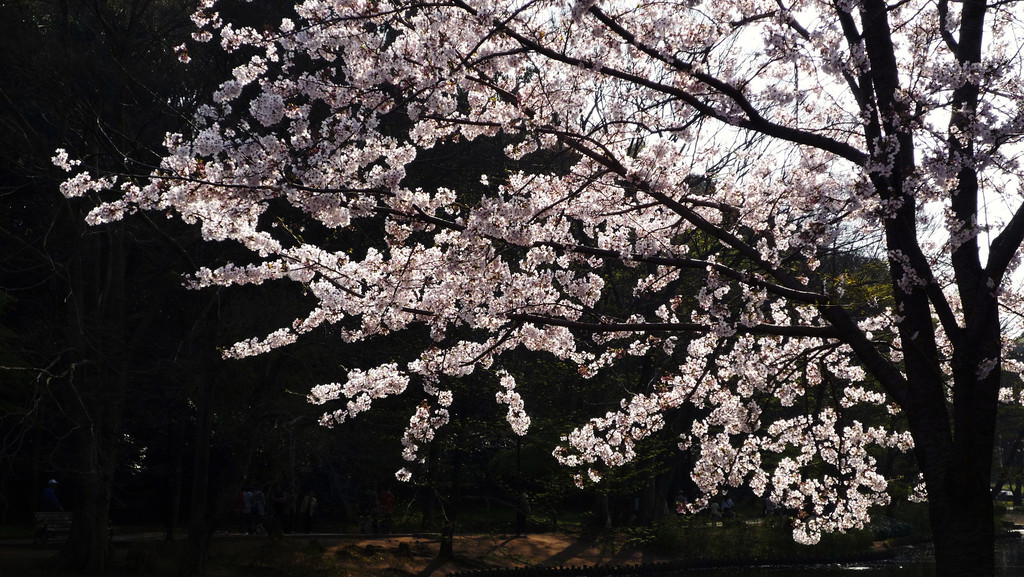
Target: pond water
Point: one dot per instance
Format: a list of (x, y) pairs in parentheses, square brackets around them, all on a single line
[(916, 561)]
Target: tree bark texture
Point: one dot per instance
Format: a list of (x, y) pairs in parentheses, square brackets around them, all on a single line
[(96, 302)]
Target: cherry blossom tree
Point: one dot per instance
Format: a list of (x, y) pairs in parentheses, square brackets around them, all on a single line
[(733, 140)]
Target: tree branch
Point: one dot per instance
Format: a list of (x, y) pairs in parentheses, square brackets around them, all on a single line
[(1005, 246), (603, 327), (755, 121)]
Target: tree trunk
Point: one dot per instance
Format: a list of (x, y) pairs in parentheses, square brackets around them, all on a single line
[(963, 517), (963, 531), (958, 473), (447, 550), (88, 547), (648, 512), (176, 434), (100, 381), (198, 533), (662, 484), (602, 512), (959, 497), (429, 499)]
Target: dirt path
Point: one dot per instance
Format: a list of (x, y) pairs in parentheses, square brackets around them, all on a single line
[(418, 556)]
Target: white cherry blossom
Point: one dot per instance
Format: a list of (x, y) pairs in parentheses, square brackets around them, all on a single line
[(717, 154)]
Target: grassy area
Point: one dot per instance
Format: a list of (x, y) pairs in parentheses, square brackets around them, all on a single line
[(740, 542)]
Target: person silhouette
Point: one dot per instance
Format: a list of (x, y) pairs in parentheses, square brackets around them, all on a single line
[(308, 510), (48, 500)]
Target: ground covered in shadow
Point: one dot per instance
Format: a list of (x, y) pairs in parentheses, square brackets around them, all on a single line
[(689, 540), (335, 556), (356, 556)]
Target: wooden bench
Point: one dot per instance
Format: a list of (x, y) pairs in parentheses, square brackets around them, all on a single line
[(50, 525)]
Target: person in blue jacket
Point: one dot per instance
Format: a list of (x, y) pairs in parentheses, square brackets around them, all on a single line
[(48, 500)]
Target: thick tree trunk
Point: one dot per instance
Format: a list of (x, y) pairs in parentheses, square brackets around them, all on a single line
[(88, 547), (959, 503), (959, 474), (960, 499), (964, 535)]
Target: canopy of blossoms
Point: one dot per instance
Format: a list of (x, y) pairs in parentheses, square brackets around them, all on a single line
[(761, 127)]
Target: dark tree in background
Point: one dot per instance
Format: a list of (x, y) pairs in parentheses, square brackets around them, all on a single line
[(111, 377), (94, 315)]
